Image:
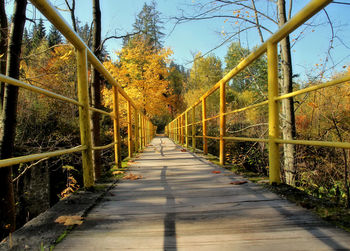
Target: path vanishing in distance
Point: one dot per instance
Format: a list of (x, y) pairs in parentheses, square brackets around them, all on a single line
[(180, 204)]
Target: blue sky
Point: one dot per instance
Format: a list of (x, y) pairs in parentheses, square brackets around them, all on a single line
[(192, 37)]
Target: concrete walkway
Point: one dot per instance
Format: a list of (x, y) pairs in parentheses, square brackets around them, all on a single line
[(180, 204)]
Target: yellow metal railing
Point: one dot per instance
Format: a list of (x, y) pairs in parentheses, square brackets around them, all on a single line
[(178, 128), (140, 130)]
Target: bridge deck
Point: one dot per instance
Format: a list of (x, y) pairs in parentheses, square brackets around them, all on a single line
[(181, 205)]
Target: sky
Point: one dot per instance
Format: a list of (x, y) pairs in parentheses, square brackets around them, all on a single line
[(309, 52)]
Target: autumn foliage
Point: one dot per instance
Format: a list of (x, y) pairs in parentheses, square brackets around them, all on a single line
[(142, 71)]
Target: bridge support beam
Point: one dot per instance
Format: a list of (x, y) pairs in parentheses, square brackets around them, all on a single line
[(186, 129), (84, 118), (116, 127), (274, 155), (193, 128), (204, 123), (129, 129), (222, 122)]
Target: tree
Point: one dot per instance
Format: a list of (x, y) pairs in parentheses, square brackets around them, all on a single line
[(8, 119), (142, 71), (3, 47), (288, 121), (205, 73), (54, 37), (96, 87), (177, 78), (254, 77), (148, 26), (39, 33)]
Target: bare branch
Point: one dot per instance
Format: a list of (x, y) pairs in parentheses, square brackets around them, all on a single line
[(257, 22), (224, 16), (27, 168), (218, 46), (72, 13), (341, 3), (119, 37)]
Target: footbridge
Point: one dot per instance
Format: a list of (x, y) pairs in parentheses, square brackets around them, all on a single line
[(178, 199)]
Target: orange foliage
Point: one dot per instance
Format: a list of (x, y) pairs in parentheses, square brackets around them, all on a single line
[(141, 70)]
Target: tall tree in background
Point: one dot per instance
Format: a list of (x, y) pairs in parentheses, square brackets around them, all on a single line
[(3, 47), (254, 77), (39, 33), (177, 81), (54, 37), (96, 87), (288, 121), (8, 119), (148, 26), (143, 73), (205, 72)]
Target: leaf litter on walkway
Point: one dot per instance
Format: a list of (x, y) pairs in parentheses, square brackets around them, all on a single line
[(132, 176), (69, 220)]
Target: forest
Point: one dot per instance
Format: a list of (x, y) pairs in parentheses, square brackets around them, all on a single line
[(162, 89)]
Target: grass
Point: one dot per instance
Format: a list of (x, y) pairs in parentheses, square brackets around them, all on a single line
[(63, 235)]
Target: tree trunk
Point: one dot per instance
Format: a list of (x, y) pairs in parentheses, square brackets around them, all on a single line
[(96, 88), (8, 119), (3, 48), (288, 116)]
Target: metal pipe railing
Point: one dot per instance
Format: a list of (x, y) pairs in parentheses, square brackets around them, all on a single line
[(269, 47), (85, 56)]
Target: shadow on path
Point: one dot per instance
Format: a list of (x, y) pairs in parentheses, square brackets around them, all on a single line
[(170, 217)]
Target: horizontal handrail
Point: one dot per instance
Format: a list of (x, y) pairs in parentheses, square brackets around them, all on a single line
[(104, 147), (247, 107), (314, 143), (246, 139), (101, 111), (37, 156), (36, 89), (314, 88)]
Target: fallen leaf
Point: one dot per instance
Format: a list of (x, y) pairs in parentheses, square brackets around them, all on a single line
[(69, 220), (238, 182), (117, 172), (215, 171), (131, 176), (62, 219), (183, 150)]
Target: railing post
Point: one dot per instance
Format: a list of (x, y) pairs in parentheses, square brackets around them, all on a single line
[(84, 118), (136, 118), (129, 130), (186, 128), (204, 123), (144, 130), (181, 130), (274, 155), (140, 131), (116, 127), (222, 122), (176, 130), (193, 129), (147, 131)]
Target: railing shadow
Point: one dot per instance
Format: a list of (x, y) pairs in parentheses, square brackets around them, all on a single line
[(170, 217)]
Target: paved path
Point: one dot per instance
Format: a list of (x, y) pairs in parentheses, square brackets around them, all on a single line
[(181, 205)]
